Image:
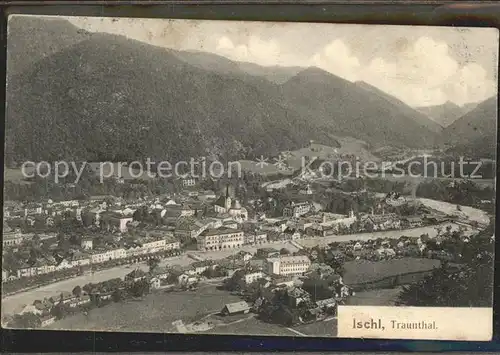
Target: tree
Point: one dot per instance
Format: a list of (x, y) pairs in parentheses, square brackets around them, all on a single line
[(88, 219), (75, 239), (59, 311), (77, 291), (117, 295), (88, 287), (313, 209), (369, 227), (318, 288), (471, 285), (25, 321), (36, 241), (139, 288), (284, 251), (337, 264), (140, 214), (153, 264)]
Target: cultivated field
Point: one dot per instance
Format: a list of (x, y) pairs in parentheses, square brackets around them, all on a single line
[(157, 311), (107, 169), (268, 168), (361, 271), (379, 297), (348, 146), (253, 326), (153, 314), (15, 176), (327, 328)]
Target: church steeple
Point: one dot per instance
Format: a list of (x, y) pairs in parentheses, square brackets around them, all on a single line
[(227, 204)]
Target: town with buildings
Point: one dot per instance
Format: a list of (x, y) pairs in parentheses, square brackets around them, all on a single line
[(234, 180), (290, 268)]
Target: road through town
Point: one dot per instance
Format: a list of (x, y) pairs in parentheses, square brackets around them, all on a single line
[(14, 302), (11, 303)]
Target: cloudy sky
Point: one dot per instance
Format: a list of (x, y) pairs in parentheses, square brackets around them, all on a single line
[(420, 65)]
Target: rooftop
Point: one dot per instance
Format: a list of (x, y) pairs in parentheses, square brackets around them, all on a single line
[(136, 273), (219, 231), (382, 217), (297, 259), (237, 307)]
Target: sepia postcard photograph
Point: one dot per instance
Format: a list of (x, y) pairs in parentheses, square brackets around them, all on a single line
[(249, 178)]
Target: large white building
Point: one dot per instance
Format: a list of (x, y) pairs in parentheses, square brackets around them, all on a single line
[(11, 237), (154, 245), (101, 256), (220, 239), (120, 253), (296, 209), (112, 221), (253, 276), (288, 265)]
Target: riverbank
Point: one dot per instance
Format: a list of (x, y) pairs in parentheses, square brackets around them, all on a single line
[(431, 231), (12, 303)]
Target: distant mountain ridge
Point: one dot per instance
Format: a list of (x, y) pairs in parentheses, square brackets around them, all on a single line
[(411, 112), (113, 98), (354, 111), (475, 134), (107, 97), (446, 113), (275, 74), (479, 123), (223, 65)]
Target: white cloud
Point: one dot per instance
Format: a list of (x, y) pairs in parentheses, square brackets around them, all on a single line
[(224, 44), (470, 84), (257, 50), (420, 71), (426, 74), (337, 59), (227, 47)]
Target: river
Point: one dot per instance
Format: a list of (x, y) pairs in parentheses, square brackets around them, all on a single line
[(12, 303)]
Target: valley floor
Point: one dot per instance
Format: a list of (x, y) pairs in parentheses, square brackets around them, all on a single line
[(158, 311)]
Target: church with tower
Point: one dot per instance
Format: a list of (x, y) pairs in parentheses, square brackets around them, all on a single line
[(227, 205)]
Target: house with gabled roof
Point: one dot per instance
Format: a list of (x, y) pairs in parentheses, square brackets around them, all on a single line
[(47, 320), (235, 308), (136, 275)]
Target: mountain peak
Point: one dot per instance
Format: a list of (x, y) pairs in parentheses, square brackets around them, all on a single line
[(476, 124), (313, 72), (320, 78), (31, 38), (474, 134), (451, 104)]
